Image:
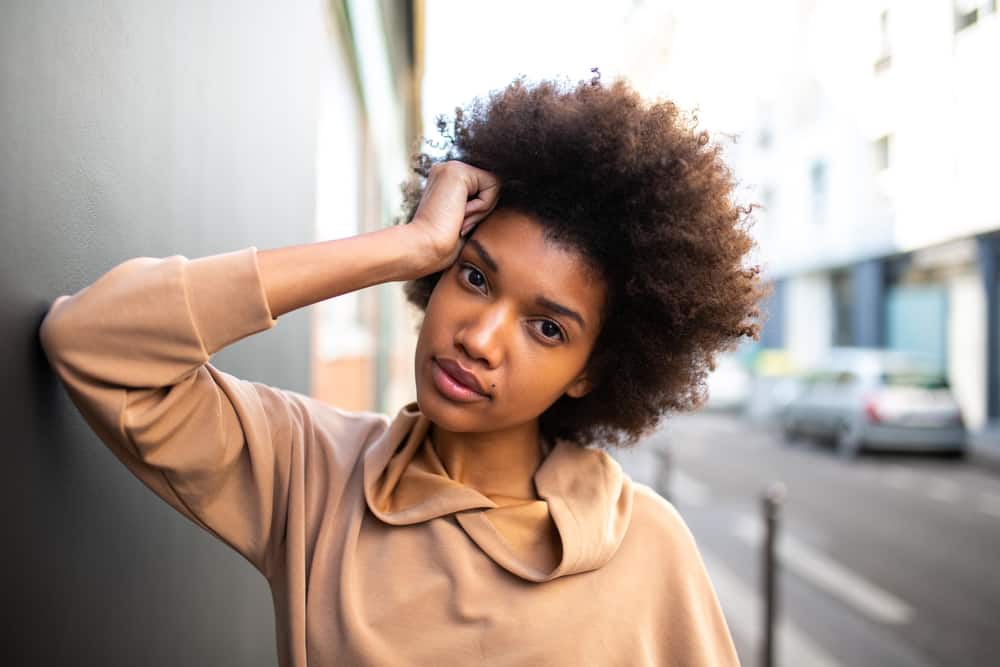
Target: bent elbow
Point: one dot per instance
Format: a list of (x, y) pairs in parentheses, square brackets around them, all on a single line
[(54, 333)]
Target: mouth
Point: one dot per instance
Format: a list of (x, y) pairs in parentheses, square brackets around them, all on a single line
[(455, 382)]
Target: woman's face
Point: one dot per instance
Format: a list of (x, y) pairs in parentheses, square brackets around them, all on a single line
[(515, 317)]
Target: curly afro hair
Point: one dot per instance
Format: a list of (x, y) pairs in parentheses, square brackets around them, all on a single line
[(648, 201)]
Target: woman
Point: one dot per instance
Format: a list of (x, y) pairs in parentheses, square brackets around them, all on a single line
[(579, 263)]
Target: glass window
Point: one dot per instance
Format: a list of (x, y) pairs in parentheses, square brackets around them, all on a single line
[(967, 12), (915, 378), (882, 155), (843, 308), (818, 187), (884, 58)]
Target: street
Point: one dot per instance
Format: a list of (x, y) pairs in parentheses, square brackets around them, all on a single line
[(886, 560)]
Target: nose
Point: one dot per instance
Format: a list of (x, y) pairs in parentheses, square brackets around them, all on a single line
[(481, 337)]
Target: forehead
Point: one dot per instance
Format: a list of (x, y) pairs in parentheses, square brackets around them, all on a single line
[(530, 263)]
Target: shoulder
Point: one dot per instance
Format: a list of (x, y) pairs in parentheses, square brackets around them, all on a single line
[(291, 414), (687, 608), (319, 415), (658, 523)]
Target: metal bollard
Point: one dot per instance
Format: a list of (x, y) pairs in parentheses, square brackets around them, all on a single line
[(663, 472), (773, 498)]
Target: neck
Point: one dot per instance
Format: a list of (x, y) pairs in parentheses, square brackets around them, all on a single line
[(495, 463)]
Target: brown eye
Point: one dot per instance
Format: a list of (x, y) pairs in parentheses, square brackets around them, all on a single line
[(473, 276), (476, 278), (549, 330)]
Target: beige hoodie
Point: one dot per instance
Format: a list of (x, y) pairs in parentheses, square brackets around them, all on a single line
[(374, 555)]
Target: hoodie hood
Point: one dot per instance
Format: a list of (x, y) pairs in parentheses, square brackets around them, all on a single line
[(576, 526)]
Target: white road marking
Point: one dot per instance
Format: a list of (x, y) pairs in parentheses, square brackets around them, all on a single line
[(687, 490), (990, 504), (898, 478), (745, 613), (830, 576), (944, 490)]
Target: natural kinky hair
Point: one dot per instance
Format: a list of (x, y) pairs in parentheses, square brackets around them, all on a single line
[(647, 200)]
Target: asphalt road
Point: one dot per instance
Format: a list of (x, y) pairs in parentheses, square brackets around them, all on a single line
[(887, 560)]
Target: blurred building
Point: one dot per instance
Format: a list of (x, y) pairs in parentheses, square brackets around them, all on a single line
[(368, 124), (875, 166)]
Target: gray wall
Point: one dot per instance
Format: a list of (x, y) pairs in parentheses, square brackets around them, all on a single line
[(137, 128)]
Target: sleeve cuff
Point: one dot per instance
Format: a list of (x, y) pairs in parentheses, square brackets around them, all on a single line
[(227, 297)]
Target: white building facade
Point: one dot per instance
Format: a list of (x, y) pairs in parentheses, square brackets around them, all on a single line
[(876, 169)]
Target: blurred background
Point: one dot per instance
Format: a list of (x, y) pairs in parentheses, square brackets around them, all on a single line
[(867, 132)]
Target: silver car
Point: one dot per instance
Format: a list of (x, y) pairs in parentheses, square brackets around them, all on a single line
[(880, 399)]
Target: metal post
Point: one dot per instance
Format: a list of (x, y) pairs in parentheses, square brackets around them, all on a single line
[(663, 471), (773, 498)]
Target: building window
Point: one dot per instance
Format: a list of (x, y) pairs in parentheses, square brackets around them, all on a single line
[(968, 13), (884, 59), (882, 154), (843, 308), (764, 137), (766, 205), (818, 187), (767, 199)]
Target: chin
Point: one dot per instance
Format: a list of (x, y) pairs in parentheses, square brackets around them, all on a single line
[(451, 416)]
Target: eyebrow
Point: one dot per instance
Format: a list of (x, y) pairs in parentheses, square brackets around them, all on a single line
[(561, 309), (490, 262), (548, 304)]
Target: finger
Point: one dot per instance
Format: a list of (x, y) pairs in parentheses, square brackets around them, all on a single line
[(480, 206), (470, 223), (487, 185), (484, 201), (490, 194), (474, 206), (467, 226)]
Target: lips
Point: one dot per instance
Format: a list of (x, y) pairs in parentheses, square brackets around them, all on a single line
[(460, 375)]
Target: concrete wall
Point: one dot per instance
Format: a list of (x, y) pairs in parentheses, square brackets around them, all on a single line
[(132, 129), (967, 362)]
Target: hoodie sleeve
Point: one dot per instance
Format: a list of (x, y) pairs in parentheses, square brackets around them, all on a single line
[(132, 351)]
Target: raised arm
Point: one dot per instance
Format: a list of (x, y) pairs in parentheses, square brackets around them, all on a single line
[(457, 197), (132, 350)]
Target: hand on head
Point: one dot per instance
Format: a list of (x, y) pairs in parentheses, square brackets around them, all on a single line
[(456, 198)]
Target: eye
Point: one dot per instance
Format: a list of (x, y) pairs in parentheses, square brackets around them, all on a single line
[(473, 276), (548, 330)]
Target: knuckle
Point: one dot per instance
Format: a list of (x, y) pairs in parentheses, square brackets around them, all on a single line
[(437, 168)]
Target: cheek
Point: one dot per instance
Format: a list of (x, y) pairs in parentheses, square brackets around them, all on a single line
[(427, 335), (435, 316), (543, 374)]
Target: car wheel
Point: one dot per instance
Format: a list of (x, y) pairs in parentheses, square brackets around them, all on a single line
[(958, 454), (848, 442)]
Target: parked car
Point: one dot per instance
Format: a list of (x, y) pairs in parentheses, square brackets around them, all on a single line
[(870, 398)]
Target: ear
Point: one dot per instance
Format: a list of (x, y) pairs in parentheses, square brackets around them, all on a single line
[(581, 386)]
